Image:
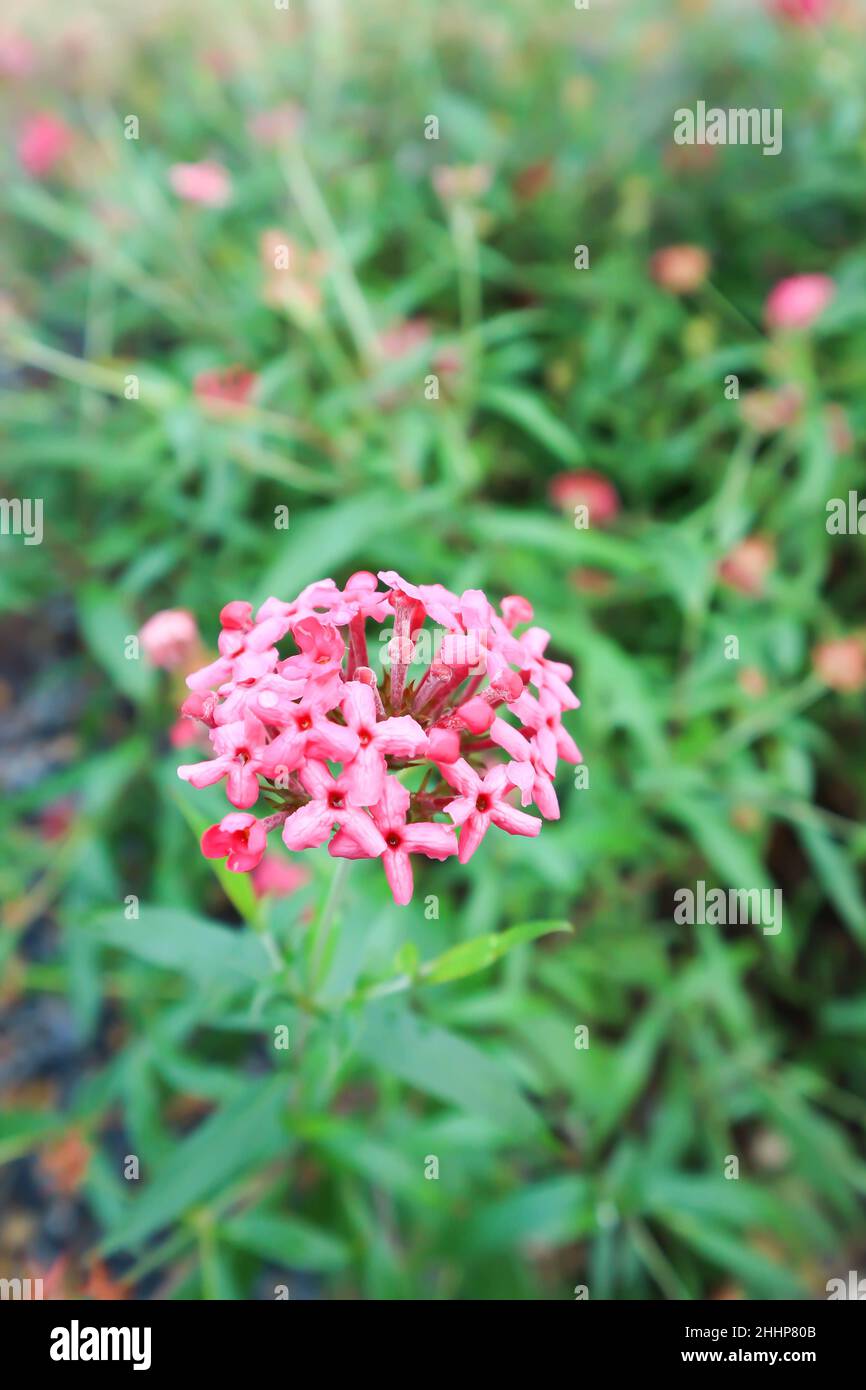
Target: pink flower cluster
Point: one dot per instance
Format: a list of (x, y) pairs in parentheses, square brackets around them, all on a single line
[(331, 748)]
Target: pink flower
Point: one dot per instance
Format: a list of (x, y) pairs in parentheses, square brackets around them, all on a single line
[(206, 183), (680, 269), (547, 675), (459, 182), (798, 301), (403, 338), (330, 740), (277, 126), (170, 638), (328, 806), (43, 142), (57, 818), (309, 733), (588, 489), (550, 740), (516, 610), (535, 784), (399, 737), (183, 733), (747, 567), (803, 11), (841, 664), (241, 837), (246, 648), (241, 750), (17, 55), (274, 878), (435, 840), (227, 386), (482, 803), (321, 645)]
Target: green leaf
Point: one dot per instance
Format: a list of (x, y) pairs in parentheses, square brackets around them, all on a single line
[(555, 1212), (532, 415), (107, 622), (472, 956), (178, 940), (727, 850), (23, 1130), (444, 1066), (762, 1278), (238, 1138), (286, 1240), (838, 877), (324, 539)]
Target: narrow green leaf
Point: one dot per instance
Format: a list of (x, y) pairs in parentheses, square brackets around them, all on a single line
[(237, 1139), (178, 940), (286, 1240), (532, 415), (481, 952), (106, 622), (445, 1066)]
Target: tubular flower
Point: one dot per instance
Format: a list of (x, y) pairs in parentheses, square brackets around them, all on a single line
[(462, 728)]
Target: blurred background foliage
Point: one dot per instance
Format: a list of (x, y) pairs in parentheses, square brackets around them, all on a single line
[(455, 258)]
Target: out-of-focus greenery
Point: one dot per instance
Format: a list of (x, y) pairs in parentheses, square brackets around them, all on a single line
[(559, 1166)]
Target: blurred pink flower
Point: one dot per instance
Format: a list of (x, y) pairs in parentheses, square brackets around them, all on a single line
[(225, 386), (403, 337), (448, 361), (17, 56), (207, 183), (56, 819), (769, 411), (169, 638), (585, 488), (841, 664), (680, 269), (747, 566), (460, 181), (183, 733), (587, 580), (532, 180), (839, 428), (279, 124), (802, 11), (798, 301), (293, 276), (43, 142), (274, 878), (752, 682)]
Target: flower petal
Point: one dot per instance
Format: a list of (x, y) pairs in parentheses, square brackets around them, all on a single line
[(473, 832), (435, 840), (309, 826), (398, 871), (514, 821)]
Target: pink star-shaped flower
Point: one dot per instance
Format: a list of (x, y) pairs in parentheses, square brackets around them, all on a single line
[(328, 806), (399, 737), (240, 747), (437, 841), (481, 803)]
